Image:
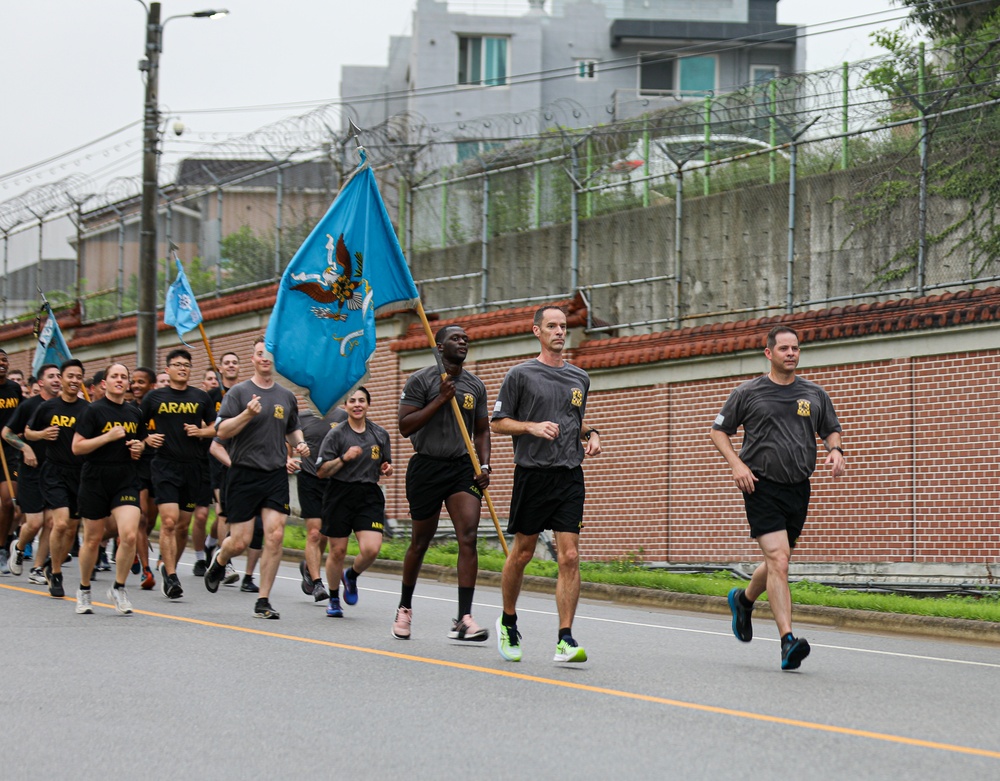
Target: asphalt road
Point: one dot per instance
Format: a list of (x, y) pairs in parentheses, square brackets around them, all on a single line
[(198, 688)]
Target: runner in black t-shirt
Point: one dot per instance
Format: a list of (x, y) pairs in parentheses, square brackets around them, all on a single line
[(229, 369), (29, 488), (143, 381), (179, 419), (55, 422), (10, 398), (109, 436)]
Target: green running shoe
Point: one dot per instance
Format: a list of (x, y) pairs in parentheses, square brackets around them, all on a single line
[(567, 650), (508, 642)]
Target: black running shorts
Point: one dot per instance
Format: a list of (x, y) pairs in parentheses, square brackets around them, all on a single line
[(546, 499), (183, 484), (310, 490), (106, 486), (357, 507), (430, 480), (60, 486), (250, 490), (29, 490), (775, 507)]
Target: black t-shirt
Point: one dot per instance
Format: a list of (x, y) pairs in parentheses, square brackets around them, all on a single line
[(10, 400), (216, 394), (148, 452), (19, 421), (99, 418), (56, 412), (166, 410)]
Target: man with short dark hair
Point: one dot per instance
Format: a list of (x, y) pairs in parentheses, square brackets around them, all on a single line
[(781, 415), (55, 422), (541, 404), (261, 419), (441, 472), (29, 489), (179, 419)]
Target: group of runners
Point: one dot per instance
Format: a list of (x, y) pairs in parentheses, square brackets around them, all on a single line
[(146, 445)]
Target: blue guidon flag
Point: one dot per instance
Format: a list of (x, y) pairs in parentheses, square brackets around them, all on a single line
[(180, 308), (52, 347), (322, 332)]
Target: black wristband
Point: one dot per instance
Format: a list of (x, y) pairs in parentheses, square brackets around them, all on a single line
[(838, 448), (589, 432)]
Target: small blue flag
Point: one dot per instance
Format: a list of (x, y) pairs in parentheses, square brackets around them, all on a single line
[(181, 309), (52, 347), (322, 331)]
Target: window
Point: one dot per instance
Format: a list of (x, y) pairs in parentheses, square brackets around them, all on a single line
[(586, 70), (482, 60), (762, 74), (467, 150), (656, 72), (697, 75)]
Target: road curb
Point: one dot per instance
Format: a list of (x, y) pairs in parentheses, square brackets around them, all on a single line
[(817, 615)]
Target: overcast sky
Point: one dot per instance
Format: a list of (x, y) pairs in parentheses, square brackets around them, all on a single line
[(70, 69)]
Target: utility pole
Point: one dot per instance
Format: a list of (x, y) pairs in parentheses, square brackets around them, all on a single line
[(146, 312)]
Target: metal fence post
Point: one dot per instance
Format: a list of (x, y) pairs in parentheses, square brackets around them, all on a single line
[(485, 250), (574, 223), (845, 116), (922, 216), (678, 243), (279, 227), (708, 145)]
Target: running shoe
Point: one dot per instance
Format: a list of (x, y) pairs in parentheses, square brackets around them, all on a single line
[(103, 565), (263, 609), (567, 650), (28, 551), (401, 626), (37, 576), (307, 582), (742, 626), (174, 590), (119, 598), (793, 651), (468, 629), (508, 642), (214, 574), (16, 560), (136, 567), (4, 562), (148, 581), (231, 574), (350, 589), (83, 605), (333, 609), (56, 585), (320, 594), (199, 568), (164, 580), (248, 586)]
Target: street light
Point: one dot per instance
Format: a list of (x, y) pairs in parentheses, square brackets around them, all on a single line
[(146, 314)]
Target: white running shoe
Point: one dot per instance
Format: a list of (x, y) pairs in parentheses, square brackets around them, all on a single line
[(120, 600), (83, 605)]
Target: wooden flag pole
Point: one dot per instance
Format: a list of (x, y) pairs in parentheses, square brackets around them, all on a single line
[(6, 475), (461, 427)]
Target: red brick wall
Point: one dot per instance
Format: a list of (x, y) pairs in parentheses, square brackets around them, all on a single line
[(922, 454)]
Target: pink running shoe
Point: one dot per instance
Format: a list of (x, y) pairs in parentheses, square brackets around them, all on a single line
[(401, 626), (467, 629)]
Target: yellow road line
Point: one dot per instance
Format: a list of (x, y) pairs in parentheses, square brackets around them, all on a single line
[(810, 725)]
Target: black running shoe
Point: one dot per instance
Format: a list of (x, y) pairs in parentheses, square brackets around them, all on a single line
[(742, 626), (793, 651), (215, 573), (200, 566), (174, 590), (248, 586), (307, 582), (263, 609), (56, 585)]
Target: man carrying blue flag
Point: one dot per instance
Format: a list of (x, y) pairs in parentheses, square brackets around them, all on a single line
[(322, 332)]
